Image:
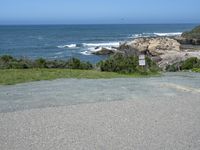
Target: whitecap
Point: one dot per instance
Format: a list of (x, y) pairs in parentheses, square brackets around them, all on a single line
[(62, 46), (137, 35), (156, 34), (142, 35), (67, 46), (110, 44), (86, 53), (168, 34), (93, 47), (71, 46)]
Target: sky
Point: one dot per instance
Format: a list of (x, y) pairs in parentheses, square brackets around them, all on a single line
[(99, 11)]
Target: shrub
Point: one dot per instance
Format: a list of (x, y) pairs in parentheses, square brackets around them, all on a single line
[(25, 63), (40, 63), (172, 68), (75, 63), (194, 33), (6, 58), (86, 66), (196, 70), (119, 63), (56, 64), (188, 64), (126, 64), (8, 62), (151, 65)]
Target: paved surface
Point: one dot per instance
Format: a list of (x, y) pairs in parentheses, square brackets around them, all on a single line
[(145, 113)]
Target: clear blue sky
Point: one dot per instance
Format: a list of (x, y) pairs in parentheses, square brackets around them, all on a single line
[(98, 11)]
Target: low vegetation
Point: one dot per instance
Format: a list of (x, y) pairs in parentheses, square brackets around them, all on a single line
[(192, 63), (14, 76), (196, 70), (194, 34), (115, 63), (8, 62), (127, 64), (14, 70)]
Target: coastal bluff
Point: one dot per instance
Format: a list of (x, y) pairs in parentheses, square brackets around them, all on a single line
[(163, 50), (192, 37)]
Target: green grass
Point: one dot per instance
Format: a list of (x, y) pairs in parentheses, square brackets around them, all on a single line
[(196, 70), (14, 76)]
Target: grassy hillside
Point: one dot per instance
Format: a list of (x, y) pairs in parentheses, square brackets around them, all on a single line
[(193, 34)]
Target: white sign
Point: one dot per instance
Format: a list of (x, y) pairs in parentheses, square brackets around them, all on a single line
[(142, 62)]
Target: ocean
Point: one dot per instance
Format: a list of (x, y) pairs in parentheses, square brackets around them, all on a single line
[(66, 41)]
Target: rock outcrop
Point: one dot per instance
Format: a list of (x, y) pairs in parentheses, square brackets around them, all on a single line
[(163, 50), (191, 37), (104, 51), (155, 46), (184, 40)]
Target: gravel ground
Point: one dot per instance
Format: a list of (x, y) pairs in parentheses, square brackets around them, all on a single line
[(141, 113)]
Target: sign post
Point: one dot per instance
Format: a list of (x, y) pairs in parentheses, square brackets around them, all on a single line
[(142, 61)]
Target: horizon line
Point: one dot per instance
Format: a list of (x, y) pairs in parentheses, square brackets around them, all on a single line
[(40, 24)]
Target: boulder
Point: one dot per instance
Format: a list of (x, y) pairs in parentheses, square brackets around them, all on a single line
[(154, 46), (104, 51), (156, 59), (128, 50), (162, 45), (140, 44)]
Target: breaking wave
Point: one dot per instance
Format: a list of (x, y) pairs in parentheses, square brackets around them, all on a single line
[(169, 34), (156, 34), (67, 46), (88, 48)]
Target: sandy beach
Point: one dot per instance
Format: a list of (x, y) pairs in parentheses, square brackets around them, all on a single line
[(145, 113)]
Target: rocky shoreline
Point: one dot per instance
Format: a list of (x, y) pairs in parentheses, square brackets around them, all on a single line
[(163, 50)]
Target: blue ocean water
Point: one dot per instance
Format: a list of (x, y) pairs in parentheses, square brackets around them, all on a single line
[(65, 41)]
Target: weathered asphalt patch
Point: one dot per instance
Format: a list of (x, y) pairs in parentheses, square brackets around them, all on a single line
[(145, 113)]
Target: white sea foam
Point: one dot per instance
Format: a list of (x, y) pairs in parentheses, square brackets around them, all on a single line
[(142, 35), (109, 44), (86, 53), (168, 34), (62, 46), (88, 45), (71, 46), (94, 49), (67, 46), (137, 35), (91, 47), (156, 34)]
